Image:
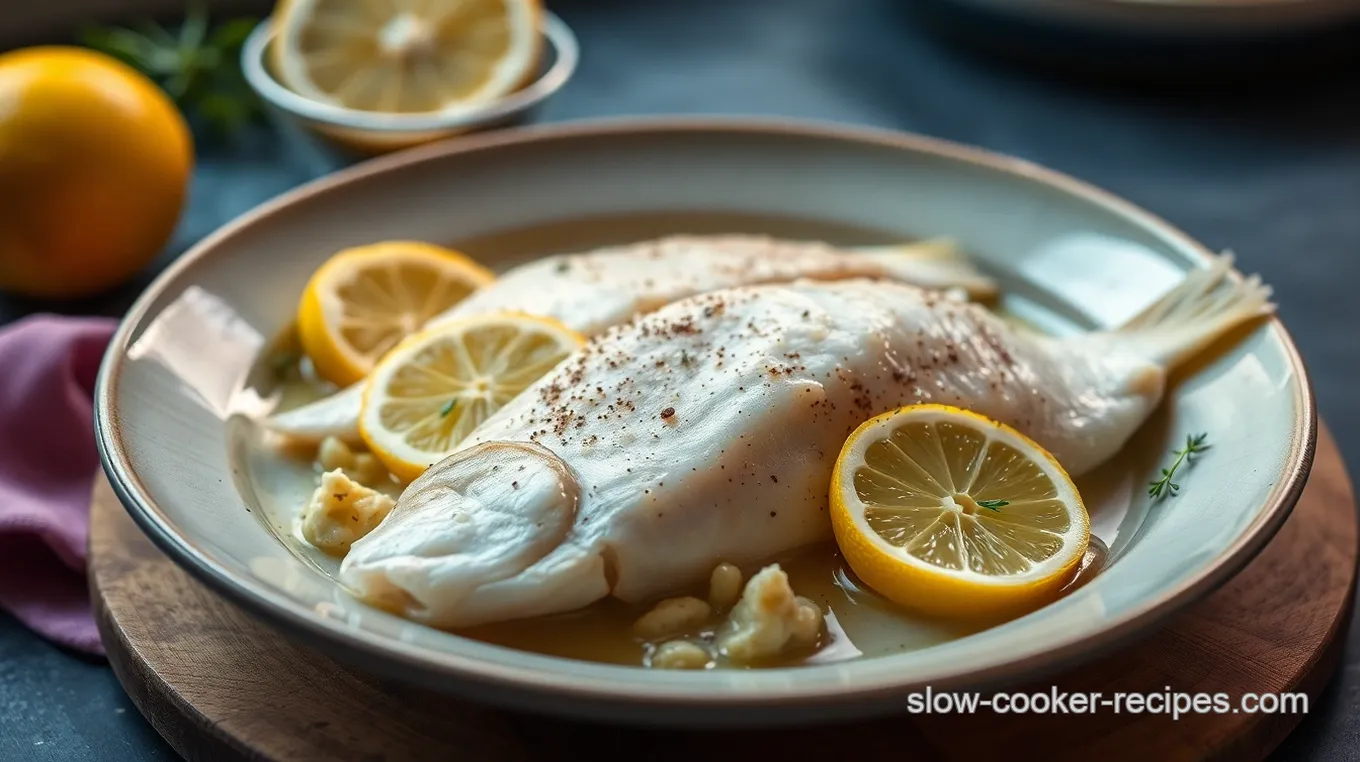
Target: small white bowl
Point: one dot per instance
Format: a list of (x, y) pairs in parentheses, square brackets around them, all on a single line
[(376, 132)]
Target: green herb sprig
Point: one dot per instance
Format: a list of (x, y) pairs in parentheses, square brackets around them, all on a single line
[(1164, 487), (199, 67), (993, 505)]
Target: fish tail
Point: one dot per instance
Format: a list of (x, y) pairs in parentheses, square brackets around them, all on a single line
[(935, 263), (1208, 304)]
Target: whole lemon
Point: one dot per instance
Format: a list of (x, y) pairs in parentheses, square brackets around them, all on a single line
[(94, 167)]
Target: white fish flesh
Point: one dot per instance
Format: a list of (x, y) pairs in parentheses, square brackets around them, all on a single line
[(707, 431), (596, 290), (600, 289)]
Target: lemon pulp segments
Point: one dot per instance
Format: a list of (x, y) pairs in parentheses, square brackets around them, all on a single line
[(437, 386), (925, 487), (381, 305), (403, 56), (450, 386), (364, 300), (955, 515)]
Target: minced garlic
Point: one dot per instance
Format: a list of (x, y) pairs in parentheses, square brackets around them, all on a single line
[(672, 616), (363, 467), (680, 654), (724, 587), (769, 619), (766, 621), (341, 511)]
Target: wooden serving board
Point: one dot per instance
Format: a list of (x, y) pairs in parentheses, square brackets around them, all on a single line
[(218, 684)]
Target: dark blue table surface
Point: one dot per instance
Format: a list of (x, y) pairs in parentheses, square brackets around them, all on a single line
[(1270, 169)]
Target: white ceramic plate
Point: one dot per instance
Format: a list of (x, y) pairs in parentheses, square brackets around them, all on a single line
[(178, 394)]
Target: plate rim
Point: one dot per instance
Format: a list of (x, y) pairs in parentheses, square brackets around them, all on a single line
[(525, 687)]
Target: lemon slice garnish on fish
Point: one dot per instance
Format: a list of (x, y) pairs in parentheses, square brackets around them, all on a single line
[(364, 300), (954, 515), (430, 392), (406, 56)]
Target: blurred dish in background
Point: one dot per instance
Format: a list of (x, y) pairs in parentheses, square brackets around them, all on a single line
[(1218, 18), (378, 56), (1187, 39), (370, 131)]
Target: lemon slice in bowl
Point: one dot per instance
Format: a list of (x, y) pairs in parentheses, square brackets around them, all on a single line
[(406, 57), (954, 515), (430, 392), (364, 300)]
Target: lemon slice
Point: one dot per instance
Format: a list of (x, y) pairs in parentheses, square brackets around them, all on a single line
[(949, 513), (364, 300), (437, 386), (404, 56)]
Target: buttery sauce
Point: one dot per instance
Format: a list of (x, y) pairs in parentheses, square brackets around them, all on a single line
[(858, 621)]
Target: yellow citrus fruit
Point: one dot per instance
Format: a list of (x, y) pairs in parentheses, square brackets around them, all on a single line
[(364, 300), (94, 165), (954, 515), (403, 57), (430, 392)]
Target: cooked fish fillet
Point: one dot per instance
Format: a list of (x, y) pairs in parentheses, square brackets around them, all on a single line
[(596, 290), (707, 432)]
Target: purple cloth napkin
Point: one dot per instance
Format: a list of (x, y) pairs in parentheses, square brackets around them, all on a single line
[(47, 461)]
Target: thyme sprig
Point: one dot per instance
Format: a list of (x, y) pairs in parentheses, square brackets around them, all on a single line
[(1165, 487)]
